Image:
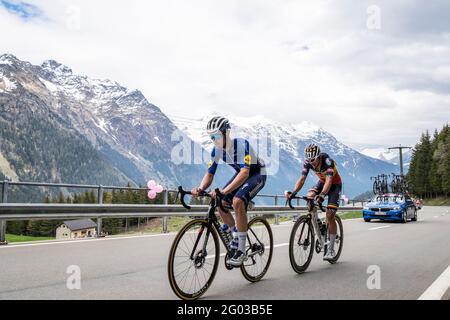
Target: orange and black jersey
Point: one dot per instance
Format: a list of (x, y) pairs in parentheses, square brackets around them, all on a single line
[(327, 168)]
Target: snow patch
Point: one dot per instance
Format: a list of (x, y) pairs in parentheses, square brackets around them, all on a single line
[(133, 156), (6, 62), (49, 85), (380, 153), (101, 125), (6, 85)]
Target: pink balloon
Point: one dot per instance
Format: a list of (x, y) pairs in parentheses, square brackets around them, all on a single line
[(158, 189), (151, 184), (151, 194)]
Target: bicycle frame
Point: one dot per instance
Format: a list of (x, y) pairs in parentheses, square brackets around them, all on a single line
[(313, 216), (213, 222)]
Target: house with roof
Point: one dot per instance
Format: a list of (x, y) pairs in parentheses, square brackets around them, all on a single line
[(76, 229)]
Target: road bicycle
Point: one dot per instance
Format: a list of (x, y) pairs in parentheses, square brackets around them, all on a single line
[(302, 241), (380, 185), (195, 252), (384, 183), (399, 184), (376, 185), (396, 183)]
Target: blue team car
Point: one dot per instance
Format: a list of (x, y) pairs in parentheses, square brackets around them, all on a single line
[(391, 207)]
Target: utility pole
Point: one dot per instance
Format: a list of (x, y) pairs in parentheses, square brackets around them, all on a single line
[(400, 149)]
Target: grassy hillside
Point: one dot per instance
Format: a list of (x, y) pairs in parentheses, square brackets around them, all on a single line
[(437, 202)]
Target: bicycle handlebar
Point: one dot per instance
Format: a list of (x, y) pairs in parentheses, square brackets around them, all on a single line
[(219, 197), (316, 203)]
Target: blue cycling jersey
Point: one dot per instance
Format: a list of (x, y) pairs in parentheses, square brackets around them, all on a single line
[(239, 156)]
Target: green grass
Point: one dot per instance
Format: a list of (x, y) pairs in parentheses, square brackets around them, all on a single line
[(11, 238), (174, 224), (351, 215), (437, 202)]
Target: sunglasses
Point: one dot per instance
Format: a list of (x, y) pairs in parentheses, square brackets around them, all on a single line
[(216, 136)]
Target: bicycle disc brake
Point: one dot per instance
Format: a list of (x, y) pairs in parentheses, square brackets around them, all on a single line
[(318, 247)]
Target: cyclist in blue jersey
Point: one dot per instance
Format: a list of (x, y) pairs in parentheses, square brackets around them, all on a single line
[(249, 179)]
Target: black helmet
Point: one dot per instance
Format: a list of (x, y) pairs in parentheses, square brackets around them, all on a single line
[(311, 152)]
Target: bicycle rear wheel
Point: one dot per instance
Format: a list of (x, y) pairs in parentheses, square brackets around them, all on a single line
[(191, 269), (339, 242), (259, 250), (376, 188), (301, 244)]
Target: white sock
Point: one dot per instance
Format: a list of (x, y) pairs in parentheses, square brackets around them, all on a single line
[(242, 240), (332, 240)]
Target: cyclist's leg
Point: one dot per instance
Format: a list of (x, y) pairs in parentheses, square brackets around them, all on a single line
[(315, 190), (332, 208), (244, 195), (226, 216)]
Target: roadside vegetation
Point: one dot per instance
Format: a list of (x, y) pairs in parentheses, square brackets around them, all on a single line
[(12, 238)]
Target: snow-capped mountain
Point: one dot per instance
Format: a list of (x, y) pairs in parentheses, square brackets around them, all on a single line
[(58, 126), (391, 156), (131, 136), (291, 139)]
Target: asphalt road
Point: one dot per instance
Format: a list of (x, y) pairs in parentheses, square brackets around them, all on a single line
[(410, 258)]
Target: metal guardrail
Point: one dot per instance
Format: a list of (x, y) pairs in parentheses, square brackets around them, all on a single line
[(14, 212)]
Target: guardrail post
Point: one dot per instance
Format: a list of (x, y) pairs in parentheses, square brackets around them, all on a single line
[(277, 218), (164, 220), (3, 222), (99, 220)]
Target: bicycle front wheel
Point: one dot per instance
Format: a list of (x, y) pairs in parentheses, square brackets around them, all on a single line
[(192, 265), (301, 244), (259, 250), (376, 188)]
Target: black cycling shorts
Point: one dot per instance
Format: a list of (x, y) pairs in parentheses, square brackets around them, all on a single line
[(334, 195), (248, 190)]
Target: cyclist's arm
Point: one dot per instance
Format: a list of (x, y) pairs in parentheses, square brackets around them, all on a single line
[(207, 181), (329, 175), (299, 184), (238, 181), (328, 184)]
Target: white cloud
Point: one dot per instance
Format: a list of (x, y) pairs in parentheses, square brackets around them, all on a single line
[(290, 60)]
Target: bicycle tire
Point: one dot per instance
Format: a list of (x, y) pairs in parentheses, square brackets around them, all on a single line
[(375, 188), (176, 287), (251, 233), (306, 221)]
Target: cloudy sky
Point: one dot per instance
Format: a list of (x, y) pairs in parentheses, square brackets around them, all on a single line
[(373, 73)]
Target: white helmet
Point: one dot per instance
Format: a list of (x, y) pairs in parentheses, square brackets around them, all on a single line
[(218, 124), (312, 152)]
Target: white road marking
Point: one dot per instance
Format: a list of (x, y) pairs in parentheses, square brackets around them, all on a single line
[(439, 287), (281, 245), (436, 217), (378, 228)]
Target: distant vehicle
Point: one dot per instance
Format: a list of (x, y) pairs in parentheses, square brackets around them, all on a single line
[(391, 207)]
